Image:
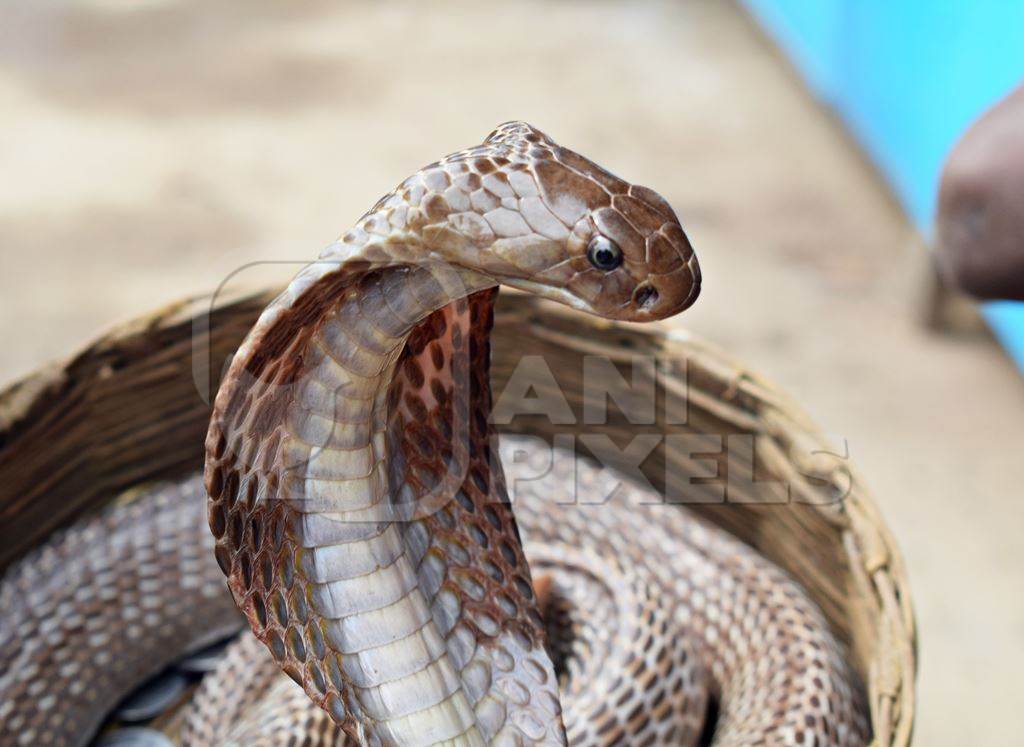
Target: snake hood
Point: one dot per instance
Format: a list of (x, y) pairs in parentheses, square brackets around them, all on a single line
[(360, 512)]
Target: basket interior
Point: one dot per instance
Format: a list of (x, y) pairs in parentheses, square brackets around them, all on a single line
[(133, 407)]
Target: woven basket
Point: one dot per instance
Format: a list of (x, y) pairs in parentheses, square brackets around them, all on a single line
[(132, 407)]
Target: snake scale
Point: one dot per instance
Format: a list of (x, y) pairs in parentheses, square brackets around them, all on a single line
[(361, 512)]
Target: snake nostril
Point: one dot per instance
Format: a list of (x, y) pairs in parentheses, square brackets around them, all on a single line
[(645, 297)]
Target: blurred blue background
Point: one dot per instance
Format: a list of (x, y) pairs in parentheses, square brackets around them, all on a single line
[(908, 78)]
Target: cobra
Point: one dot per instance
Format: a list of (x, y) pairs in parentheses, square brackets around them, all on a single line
[(360, 512)]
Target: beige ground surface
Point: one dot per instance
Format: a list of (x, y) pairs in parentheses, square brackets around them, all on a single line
[(150, 149)]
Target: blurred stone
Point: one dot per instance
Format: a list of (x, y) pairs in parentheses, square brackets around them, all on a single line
[(153, 698), (205, 660), (980, 223), (134, 736)]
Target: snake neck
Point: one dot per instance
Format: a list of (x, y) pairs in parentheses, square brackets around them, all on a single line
[(392, 355), (363, 523)]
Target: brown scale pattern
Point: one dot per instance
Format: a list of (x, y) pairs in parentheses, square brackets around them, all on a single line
[(644, 633), (745, 633), (250, 518), (100, 608), (247, 701), (474, 535), (219, 703), (478, 520), (683, 635)]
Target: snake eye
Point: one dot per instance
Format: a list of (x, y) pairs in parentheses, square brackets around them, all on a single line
[(604, 254)]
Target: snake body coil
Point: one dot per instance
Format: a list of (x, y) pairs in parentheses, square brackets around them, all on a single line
[(361, 515)]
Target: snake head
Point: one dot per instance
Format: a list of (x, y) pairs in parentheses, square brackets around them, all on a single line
[(539, 217)]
